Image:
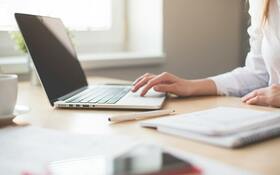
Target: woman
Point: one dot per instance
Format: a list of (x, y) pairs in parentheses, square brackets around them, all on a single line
[(258, 83)]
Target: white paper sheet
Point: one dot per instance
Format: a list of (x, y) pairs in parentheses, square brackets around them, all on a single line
[(31, 148)]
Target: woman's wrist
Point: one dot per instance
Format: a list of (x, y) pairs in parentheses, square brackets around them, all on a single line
[(202, 87)]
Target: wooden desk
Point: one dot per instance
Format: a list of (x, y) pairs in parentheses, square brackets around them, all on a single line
[(262, 158)]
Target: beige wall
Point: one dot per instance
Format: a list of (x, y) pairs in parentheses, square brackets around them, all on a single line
[(201, 38)]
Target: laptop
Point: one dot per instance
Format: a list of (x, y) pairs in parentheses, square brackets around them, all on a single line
[(61, 74)]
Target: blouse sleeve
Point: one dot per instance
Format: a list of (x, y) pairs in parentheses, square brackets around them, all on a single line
[(253, 75)]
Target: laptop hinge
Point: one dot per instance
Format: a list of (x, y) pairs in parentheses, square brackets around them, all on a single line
[(64, 97)]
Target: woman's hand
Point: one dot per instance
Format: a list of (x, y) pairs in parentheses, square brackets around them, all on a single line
[(170, 83), (164, 82), (269, 96)]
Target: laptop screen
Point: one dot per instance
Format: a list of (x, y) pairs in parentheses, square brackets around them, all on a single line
[(53, 55)]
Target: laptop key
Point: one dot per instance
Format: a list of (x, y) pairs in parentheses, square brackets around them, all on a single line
[(105, 99), (113, 100), (81, 96), (76, 100), (98, 98), (92, 96), (116, 98)]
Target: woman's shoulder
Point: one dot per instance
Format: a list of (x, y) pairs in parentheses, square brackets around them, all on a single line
[(256, 4), (255, 11)]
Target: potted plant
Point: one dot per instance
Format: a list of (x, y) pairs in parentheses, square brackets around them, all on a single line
[(20, 45)]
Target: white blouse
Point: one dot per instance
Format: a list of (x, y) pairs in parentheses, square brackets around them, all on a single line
[(262, 67)]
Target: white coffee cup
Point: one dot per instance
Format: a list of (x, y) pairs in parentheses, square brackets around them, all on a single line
[(8, 94)]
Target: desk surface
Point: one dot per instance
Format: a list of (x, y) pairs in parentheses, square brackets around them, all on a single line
[(262, 158)]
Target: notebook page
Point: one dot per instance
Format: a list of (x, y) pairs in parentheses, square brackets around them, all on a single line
[(217, 121)]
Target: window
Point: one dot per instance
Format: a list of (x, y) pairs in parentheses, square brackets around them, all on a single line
[(97, 24), (77, 15)]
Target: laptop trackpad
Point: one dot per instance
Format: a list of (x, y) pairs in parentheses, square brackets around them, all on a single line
[(152, 98)]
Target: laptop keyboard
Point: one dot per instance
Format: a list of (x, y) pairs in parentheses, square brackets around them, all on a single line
[(100, 95)]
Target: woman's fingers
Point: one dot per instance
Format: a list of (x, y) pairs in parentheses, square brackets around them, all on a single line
[(141, 82), (249, 96), (162, 78), (149, 80), (259, 92), (141, 77), (258, 100)]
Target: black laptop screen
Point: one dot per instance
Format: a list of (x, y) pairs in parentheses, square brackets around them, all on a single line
[(53, 54)]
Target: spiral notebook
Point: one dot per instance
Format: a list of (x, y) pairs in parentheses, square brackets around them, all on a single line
[(221, 126)]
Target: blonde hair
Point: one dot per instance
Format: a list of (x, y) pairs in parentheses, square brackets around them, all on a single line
[(265, 11)]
